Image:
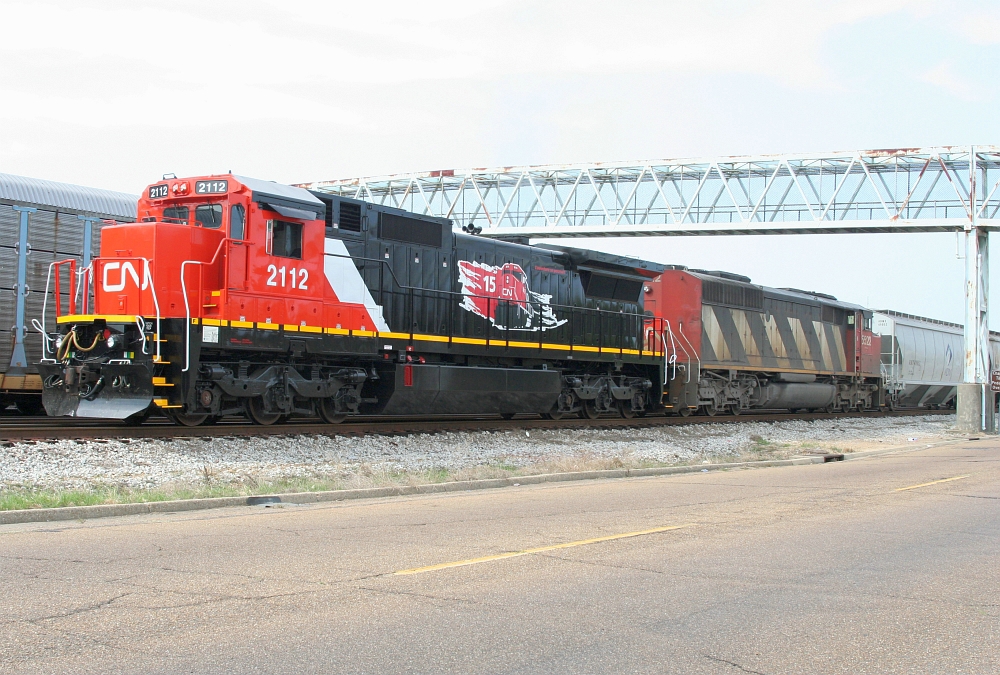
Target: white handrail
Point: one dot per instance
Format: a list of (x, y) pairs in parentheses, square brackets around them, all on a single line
[(187, 316), (668, 359), (680, 328), (40, 327), (187, 305), (146, 276), (686, 352)]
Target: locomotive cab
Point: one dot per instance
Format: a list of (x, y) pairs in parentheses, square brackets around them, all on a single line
[(204, 252)]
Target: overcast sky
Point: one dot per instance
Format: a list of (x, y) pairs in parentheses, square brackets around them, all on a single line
[(114, 94)]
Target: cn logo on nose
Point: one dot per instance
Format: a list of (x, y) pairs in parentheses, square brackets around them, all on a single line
[(127, 270)]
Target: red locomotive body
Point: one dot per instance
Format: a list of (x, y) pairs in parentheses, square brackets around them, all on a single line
[(235, 296), (738, 346)]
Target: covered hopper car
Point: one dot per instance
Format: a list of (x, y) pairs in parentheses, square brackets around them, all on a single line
[(923, 359)]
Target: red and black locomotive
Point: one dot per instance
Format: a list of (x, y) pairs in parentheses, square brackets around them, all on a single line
[(235, 296)]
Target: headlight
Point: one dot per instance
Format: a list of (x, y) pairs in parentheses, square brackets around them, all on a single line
[(112, 341)]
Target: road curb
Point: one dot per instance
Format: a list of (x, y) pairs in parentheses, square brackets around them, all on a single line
[(179, 505)]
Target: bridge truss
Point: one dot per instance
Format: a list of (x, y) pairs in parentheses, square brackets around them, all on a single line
[(907, 190), (937, 189)]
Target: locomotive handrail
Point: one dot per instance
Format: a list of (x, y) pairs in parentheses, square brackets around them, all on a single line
[(680, 329), (686, 352), (40, 327), (147, 276), (84, 277), (187, 305)]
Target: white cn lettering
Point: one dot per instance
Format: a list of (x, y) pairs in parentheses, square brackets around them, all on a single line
[(126, 268)]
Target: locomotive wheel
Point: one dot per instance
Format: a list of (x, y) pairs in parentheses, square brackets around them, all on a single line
[(254, 408), (734, 409), (684, 411), (553, 415), (709, 410), (625, 408), (328, 412), (186, 420), (589, 410)]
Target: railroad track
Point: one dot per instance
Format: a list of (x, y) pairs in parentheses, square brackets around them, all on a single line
[(42, 428)]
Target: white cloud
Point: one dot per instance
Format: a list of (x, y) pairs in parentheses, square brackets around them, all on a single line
[(943, 75), (197, 63)]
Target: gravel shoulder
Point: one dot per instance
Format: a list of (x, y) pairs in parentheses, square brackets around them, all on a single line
[(164, 469)]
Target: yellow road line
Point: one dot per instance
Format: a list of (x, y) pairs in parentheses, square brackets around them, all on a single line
[(539, 549), (933, 482)]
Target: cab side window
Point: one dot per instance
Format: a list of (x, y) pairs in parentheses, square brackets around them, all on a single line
[(209, 216), (284, 239), (236, 220)]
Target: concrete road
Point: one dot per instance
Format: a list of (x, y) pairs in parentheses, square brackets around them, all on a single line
[(812, 569)]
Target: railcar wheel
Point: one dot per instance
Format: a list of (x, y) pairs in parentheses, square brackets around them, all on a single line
[(588, 410), (684, 411), (328, 412), (254, 408), (553, 415), (734, 409), (507, 416), (709, 410), (186, 420), (625, 408)]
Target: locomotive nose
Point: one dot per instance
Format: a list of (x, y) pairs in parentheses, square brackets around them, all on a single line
[(101, 390)]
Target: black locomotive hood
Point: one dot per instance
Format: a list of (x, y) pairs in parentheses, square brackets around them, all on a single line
[(611, 262)]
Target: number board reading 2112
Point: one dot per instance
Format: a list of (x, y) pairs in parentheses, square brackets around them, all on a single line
[(211, 187)]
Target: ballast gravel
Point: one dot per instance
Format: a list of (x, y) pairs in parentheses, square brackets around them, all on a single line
[(154, 463)]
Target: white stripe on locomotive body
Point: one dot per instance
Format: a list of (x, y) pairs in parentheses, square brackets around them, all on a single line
[(824, 345), (348, 285)]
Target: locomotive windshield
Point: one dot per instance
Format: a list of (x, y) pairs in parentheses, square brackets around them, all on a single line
[(176, 214), (208, 215)]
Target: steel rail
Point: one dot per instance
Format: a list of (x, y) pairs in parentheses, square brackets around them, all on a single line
[(15, 429)]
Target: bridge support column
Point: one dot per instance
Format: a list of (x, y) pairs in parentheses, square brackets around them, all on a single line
[(975, 405)]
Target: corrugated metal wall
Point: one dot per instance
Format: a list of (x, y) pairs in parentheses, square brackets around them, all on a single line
[(54, 233)]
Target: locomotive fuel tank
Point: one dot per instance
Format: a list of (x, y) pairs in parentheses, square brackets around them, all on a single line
[(797, 390)]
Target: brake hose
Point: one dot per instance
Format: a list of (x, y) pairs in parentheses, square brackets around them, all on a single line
[(71, 341)]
